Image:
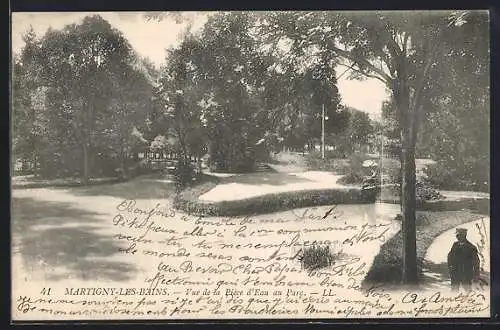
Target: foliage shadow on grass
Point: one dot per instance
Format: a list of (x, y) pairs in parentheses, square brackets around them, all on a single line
[(42, 236)]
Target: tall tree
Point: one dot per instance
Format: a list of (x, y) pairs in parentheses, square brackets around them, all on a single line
[(88, 70), (459, 110), (27, 102), (120, 124), (355, 133), (225, 72), (294, 96), (401, 50), (180, 93)]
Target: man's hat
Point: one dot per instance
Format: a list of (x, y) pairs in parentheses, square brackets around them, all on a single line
[(462, 231)]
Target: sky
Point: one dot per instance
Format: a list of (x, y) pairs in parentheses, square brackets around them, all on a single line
[(151, 38)]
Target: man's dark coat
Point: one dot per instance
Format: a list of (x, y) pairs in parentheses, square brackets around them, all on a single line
[(463, 262)]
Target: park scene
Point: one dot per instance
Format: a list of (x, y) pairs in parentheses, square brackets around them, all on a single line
[(332, 154)]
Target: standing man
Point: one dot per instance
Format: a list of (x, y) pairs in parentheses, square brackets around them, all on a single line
[(463, 262)]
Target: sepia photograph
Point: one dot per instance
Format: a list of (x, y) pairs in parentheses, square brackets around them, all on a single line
[(250, 165)]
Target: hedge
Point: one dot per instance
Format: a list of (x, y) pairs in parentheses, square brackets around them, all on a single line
[(189, 202)]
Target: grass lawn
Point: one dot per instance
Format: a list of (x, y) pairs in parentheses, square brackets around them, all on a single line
[(150, 186), (387, 265)]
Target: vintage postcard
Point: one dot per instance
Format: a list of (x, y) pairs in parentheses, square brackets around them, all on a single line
[(250, 165)]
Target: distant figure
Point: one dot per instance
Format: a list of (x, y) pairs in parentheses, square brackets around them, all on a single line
[(463, 262)]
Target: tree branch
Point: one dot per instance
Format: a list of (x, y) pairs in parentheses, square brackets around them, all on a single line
[(379, 73), (395, 47), (405, 42), (382, 76), (349, 67), (382, 62), (365, 74), (399, 40), (387, 61)]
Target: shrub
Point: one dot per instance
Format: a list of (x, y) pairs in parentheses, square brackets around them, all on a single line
[(316, 257), (330, 165), (351, 178), (424, 191), (472, 174), (314, 162), (351, 167), (184, 174), (356, 172), (239, 158)]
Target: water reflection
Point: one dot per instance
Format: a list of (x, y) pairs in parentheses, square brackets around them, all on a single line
[(370, 214), (382, 212)]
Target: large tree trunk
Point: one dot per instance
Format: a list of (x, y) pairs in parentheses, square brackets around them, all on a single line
[(408, 208), (184, 150), (408, 182)]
